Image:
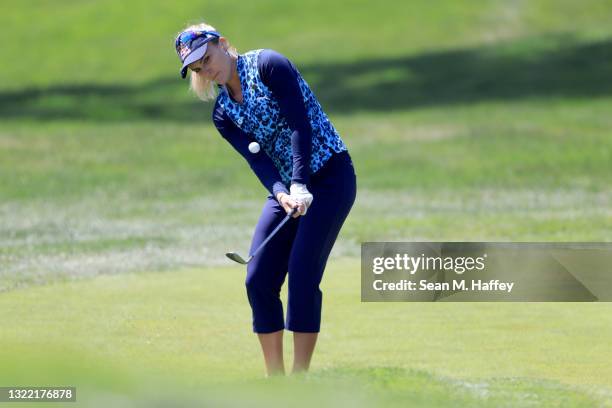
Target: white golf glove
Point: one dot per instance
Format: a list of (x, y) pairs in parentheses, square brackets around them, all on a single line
[(300, 193)]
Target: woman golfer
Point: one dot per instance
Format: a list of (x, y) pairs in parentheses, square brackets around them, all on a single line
[(299, 158)]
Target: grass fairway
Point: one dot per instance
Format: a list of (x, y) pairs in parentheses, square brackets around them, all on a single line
[(466, 121), (161, 336)]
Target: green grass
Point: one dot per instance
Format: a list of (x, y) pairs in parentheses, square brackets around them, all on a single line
[(466, 121), (174, 333), (139, 196), (134, 42)]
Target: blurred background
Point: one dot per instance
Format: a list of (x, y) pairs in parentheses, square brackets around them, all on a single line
[(466, 120)]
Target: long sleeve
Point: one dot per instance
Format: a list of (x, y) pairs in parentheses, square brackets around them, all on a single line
[(260, 162), (278, 74)]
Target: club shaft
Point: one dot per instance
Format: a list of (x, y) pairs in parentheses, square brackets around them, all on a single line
[(279, 226)]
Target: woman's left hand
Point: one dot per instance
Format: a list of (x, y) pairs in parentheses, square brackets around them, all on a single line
[(301, 195)]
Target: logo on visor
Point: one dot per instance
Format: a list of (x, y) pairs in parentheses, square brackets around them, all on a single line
[(184, 50)]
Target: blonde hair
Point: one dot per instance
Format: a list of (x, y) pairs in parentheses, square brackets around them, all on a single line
[(204, 89)]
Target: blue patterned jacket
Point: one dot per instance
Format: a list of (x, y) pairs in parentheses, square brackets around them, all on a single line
[(280, 112)]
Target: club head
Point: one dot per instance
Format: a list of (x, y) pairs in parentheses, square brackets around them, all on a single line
[(237, 258)]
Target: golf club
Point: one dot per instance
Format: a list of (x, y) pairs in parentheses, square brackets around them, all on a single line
[(237, 258)]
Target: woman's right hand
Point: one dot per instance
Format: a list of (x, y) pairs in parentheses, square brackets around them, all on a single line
[(289, 204)]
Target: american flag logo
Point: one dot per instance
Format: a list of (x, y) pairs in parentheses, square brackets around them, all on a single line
[(184, 50)]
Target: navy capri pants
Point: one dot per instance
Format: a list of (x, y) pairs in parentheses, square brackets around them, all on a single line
[(300, 249)]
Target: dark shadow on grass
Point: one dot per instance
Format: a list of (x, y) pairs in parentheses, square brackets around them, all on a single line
[(507, 72)]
